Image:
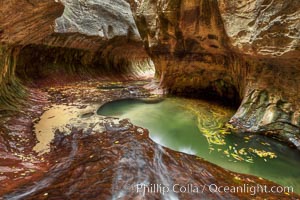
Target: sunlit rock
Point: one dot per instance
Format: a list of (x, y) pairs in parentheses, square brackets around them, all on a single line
[(263, 27)]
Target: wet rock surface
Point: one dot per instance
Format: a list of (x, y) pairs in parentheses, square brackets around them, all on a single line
[(112, 164), (109, 162), (19, 163), (95, 157), (191, 56)]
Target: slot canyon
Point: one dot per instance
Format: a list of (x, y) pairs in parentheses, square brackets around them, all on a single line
[(149, 99)]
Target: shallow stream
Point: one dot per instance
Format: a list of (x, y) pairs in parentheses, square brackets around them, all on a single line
[(196, 127)]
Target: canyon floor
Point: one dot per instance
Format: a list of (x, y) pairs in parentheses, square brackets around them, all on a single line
[(63, 60), (97, 157)]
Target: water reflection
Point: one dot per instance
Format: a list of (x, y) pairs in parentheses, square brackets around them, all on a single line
[(196, 127)]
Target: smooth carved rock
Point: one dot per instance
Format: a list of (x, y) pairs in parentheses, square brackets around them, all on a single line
[(70, 39), (230, 49), (83, 169), (32, 25), (191, 48)]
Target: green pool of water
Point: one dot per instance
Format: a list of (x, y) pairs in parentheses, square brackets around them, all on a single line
[(196, 127)]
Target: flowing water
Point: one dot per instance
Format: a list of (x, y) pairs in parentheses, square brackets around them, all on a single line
[(196, 127)]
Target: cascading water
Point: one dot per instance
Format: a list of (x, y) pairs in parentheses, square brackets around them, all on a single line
[(196, 127)]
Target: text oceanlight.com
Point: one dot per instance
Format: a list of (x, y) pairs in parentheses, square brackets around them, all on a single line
[(212, 188)]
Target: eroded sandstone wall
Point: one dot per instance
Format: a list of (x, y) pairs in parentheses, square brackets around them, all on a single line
[(20, 22), (240, 51), (247, 50), (188, 42), (103, 18), (263, 27), (268, 32), (64, 40)]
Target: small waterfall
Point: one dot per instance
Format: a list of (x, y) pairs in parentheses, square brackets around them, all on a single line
[(130, 172), (162, 172)]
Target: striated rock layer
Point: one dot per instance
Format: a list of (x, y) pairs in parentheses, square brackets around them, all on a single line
[(196, 46), (196, 50), (106, 158), (240, 51), (66, 40)]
